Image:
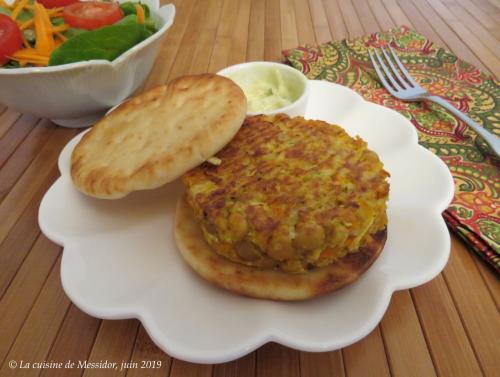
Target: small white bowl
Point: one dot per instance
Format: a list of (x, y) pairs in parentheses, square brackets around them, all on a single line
[(78, 94), (289, 74)]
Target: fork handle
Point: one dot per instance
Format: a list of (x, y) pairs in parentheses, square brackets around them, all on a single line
[(492, 140)]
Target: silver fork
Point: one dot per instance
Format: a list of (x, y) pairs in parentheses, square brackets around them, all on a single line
[(401, 85)]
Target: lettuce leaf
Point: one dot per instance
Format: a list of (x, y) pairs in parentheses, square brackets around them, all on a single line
[(106, 43)]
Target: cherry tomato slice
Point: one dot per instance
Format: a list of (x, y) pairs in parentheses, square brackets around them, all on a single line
[(10, 38), (92, 14), (56, 3)]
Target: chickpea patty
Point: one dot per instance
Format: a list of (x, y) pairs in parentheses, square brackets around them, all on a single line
[(289, 194)]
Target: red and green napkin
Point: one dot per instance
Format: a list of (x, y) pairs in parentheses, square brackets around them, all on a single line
[(474, 214)]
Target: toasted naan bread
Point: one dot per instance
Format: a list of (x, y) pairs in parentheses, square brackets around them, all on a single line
[(268, 284), (155, 137)]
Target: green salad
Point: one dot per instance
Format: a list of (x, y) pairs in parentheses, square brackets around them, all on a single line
[(55, 32)]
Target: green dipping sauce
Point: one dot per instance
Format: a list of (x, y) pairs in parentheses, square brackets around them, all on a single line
[(267, 88)]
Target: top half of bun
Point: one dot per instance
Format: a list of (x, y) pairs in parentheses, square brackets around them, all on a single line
[(155, 137)]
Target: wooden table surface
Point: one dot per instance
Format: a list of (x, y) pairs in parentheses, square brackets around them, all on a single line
[(447, 327)]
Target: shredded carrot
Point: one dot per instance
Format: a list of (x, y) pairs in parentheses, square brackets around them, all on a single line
[(25, 52), (61, 37), (49, 11), (141, 17), (43, 31), (26, 24), (30, 55), (59, 28), (53, 13), (33, 60), (18, 8)]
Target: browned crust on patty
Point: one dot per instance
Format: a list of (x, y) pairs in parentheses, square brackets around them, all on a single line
[(268, 284)]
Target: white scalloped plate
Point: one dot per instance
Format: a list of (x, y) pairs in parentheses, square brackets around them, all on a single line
[(120, 259)]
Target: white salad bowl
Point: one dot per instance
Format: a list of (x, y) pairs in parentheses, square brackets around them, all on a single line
[(78, 94)]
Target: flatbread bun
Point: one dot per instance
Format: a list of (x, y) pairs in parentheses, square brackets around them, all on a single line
[(157, 136), (268, 284)]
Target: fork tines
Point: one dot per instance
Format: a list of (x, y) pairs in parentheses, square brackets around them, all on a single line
[(393, 78)]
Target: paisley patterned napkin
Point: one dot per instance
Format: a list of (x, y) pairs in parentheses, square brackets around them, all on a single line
[(474, 214)]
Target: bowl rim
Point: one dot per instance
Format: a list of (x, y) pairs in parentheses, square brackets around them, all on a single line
[(297, 73), (166, 24)]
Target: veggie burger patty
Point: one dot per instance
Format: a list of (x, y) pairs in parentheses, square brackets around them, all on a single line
[(289, 194)]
